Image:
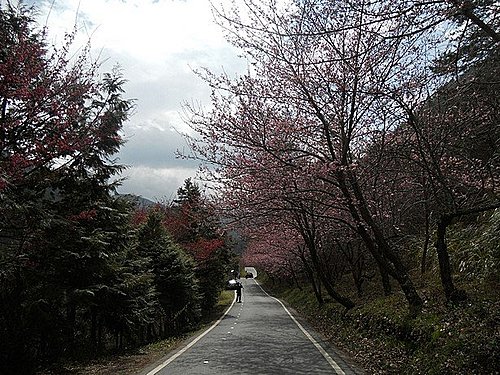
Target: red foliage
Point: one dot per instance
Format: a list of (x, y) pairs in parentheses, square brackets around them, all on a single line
[(49, 105), (139, 217), (203, 249), (176, 224), (86, 215)]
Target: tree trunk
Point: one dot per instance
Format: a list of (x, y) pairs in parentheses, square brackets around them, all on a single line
[(357, 273), (382, 251), (344, 301), (423, 265), (294, 277), (317, 291), (384, 276), (312, 280), (451, 292), (386, 282)]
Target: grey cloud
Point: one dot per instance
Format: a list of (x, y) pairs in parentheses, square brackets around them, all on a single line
[(155, 148), (154, 184), (167, 92)]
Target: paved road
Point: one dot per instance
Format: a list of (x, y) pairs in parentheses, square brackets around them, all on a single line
[(256, 337)]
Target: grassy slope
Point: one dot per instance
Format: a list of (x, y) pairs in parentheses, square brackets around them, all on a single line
[(461, 339)]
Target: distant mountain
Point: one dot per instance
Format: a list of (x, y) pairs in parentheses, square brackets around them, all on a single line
[(137, 200)]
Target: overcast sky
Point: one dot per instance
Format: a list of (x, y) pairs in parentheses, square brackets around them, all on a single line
[(157, 43)]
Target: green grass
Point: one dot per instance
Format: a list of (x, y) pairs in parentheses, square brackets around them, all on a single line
[(225, 299)]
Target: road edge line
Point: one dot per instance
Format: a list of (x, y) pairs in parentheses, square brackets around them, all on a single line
[(323, 352), (188, 346)]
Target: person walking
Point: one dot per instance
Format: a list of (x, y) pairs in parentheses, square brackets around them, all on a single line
[(239, 286)]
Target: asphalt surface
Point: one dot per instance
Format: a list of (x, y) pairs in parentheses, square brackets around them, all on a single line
[(258, 337)]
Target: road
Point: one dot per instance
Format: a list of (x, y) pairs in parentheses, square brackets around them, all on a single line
[(258, 337)]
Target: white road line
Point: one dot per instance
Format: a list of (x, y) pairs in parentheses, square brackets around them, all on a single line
[(180, 352), (329, 359)]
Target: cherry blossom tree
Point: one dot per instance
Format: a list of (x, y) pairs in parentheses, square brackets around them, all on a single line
[(449, 138), (326, 82), (280, 251), (317, 97), (453, 140), (261, 191), (269, 249)]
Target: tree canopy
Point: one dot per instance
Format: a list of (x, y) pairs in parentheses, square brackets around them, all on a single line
[(354, 128)]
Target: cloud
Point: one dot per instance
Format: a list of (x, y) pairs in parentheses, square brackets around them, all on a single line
[(157, 43), (157, 184), (149, 31), (155, 148)]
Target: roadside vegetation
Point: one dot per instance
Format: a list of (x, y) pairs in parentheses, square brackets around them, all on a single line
[(140, 359), (379, 335), (83, 272), (380, 338)]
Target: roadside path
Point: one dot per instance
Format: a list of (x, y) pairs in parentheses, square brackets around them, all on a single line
[(257, 337)]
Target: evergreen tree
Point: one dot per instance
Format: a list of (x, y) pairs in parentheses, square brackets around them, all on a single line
[(63, 238), (175, 280), (196, 227)]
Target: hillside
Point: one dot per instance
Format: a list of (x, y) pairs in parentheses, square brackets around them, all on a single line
[(137, 200)]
